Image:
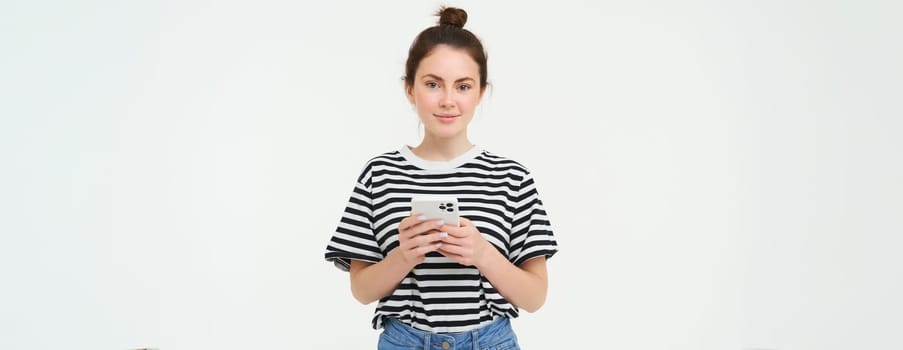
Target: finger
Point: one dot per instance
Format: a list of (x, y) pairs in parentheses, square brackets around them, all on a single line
[(430, 238), (416, 230), (451, 230), (427, 248), (409, 243), (425, 226), (438, 236), (449, 239), (410, 221), (452, 249), (421, 240), (413, 220), (465, 222), (459, 232)]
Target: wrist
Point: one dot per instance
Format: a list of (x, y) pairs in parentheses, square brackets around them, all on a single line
[(400, 260), (488, 256)]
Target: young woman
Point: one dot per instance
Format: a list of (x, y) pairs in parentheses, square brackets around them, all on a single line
[(441, 286)]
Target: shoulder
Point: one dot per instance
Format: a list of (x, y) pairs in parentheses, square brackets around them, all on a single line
[(500, 162), (386, 157), (392, 160)]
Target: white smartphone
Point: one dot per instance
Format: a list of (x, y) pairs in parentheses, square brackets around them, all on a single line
[(437, 207)]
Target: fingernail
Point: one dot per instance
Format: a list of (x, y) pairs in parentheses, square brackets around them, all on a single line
[(439, 245), (421, 217), (440, 222), (443, 234)]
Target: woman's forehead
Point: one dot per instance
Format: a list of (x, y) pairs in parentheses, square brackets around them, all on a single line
[(448, 64)]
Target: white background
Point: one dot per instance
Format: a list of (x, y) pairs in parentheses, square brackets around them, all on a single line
[(719, 174)]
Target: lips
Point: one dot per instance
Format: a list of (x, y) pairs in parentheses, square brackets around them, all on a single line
[(446, 116)]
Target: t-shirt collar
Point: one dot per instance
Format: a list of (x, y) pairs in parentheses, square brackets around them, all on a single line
[(472, 153)]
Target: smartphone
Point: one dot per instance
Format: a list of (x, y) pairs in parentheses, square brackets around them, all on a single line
[(437, 207)]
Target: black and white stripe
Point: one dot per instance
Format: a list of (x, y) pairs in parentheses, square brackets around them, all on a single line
[(440, 295)]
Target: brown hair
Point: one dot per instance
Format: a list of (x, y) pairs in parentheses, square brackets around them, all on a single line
[(450, 31)]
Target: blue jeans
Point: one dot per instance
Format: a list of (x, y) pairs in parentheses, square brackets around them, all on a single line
[(497, 335)]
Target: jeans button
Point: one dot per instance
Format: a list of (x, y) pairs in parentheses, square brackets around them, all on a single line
[(445, 345)]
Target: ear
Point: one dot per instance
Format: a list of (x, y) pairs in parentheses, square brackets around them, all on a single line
[(409, 92)]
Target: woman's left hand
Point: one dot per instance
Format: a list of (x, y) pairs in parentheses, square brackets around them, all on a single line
[(464, 244)]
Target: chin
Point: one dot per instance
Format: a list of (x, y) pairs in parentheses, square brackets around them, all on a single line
[(444, 133)]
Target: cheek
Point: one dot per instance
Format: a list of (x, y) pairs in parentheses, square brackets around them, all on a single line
[(424, 103), (425, 97), (468, 103)]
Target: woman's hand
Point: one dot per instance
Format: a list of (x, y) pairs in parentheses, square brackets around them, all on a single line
[(418, 236), (464, 244)]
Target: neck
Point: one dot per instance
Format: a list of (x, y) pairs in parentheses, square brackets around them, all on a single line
[(442, 149)]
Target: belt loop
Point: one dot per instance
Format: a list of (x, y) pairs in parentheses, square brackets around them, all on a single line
[(426, 343), (474, 334)]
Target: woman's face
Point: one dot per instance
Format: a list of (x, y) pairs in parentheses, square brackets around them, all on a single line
[(446, 91)]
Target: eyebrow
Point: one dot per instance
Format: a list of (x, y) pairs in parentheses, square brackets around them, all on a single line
[(440, 78)]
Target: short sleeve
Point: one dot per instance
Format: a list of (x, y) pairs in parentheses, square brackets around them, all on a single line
[(354, 238), (531, 230)]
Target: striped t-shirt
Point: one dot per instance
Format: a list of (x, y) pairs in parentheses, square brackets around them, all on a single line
[(439, 295)]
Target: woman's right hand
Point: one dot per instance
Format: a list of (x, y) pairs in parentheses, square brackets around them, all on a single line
[(418, 236)]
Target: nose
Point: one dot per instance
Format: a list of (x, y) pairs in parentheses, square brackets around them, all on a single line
[(446, 101)]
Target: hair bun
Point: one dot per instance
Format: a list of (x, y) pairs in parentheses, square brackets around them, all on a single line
[(452, 16)]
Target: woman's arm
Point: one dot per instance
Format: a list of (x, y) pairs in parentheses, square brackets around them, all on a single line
[(371, 282), (416, 237), (524, 286)]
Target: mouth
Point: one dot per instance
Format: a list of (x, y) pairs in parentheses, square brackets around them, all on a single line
[(446, 116)]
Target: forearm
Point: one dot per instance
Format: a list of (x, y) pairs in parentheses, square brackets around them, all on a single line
[(523, 286), (371, 282)]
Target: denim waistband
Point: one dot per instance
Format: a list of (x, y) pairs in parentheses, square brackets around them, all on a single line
[(491, 335)]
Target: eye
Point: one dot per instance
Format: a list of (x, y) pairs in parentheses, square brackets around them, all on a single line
[(464, 87), (432, 84)]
